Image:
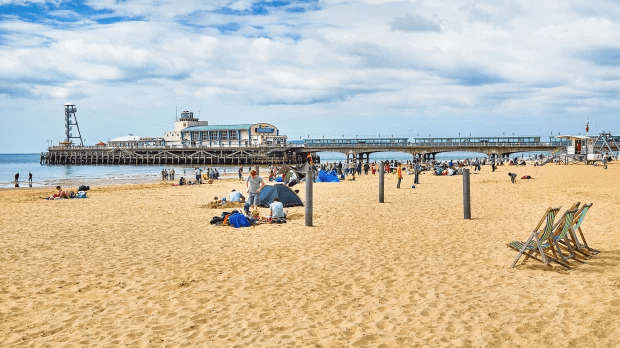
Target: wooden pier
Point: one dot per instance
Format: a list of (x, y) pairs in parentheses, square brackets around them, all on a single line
[(85, 155), (421, 148)]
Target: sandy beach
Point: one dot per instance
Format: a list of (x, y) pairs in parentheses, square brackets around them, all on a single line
[(140, 265)]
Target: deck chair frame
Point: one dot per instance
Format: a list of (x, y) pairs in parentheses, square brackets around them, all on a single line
[(538, 242)]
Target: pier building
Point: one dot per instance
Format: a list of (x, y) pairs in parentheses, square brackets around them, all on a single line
[(240, 135)]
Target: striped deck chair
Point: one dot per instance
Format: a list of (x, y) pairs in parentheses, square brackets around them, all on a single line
[(579, 216), (538, 241), (563, 233), (560, 224)]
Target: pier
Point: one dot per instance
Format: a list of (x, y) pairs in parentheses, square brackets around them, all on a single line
[(81, 155), (427, 148), (419, 148)]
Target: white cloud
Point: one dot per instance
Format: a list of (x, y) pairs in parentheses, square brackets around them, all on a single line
[(467, 65)]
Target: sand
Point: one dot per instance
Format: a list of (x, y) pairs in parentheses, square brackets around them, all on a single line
[(140, 265)]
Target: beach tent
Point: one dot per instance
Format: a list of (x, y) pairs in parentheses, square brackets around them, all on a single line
[(299, 170), (324, 176), (284, 194)]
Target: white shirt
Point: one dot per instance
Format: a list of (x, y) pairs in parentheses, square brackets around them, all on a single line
[(235, 196), (277, 210)]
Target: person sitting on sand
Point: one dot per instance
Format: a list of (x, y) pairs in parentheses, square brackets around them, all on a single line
[(60, 194), (276, 210), (236, 196), (182, 181)]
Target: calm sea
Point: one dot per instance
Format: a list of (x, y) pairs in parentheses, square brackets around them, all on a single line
[(92, 175), (51, 175)]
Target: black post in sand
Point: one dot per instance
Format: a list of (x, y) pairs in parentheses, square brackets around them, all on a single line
[(466, 198), (381, 172), (309, 180)]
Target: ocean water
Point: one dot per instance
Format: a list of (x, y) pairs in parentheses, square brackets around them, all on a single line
[(92, 175), (51, 175)]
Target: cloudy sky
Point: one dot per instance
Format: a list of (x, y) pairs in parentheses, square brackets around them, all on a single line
[(329, 68)]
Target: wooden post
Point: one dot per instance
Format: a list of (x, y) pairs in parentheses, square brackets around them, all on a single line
[(466, 198), (309, 180), (381, 182)]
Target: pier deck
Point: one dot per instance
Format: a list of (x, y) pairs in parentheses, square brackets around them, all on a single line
[(423, 148)]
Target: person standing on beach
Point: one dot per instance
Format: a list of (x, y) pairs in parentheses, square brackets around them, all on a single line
[(30, 177), (198, 175), (17, 177), (172, 174), (254, 184), (416, 173), (240, 173), (399, 172)]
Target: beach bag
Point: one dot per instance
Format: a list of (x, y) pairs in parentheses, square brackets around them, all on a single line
[(216, 220), (81, 194)]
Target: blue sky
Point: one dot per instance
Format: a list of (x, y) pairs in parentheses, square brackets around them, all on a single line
[(330, 68)]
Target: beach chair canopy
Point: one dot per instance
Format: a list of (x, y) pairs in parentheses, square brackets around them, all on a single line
[(284, 194)]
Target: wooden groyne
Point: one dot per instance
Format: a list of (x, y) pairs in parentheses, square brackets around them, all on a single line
[(172, 156)]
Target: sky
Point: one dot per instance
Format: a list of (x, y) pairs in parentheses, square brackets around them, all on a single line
[(332, 68)]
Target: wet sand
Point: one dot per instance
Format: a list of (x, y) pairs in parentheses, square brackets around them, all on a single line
[(140, 265)]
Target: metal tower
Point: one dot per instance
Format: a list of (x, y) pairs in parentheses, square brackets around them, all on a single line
[(71, 120)]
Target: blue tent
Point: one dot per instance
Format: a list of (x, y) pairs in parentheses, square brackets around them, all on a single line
[(328, 176), (284, 194)]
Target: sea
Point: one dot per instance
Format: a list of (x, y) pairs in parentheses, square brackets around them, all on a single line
[(44, 175)]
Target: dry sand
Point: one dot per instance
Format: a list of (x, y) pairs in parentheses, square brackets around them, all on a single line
[(140, 265)]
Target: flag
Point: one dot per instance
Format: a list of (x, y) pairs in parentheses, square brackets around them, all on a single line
[(588, 126)]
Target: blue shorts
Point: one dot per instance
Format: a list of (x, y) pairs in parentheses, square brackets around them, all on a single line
[(254, 198)]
